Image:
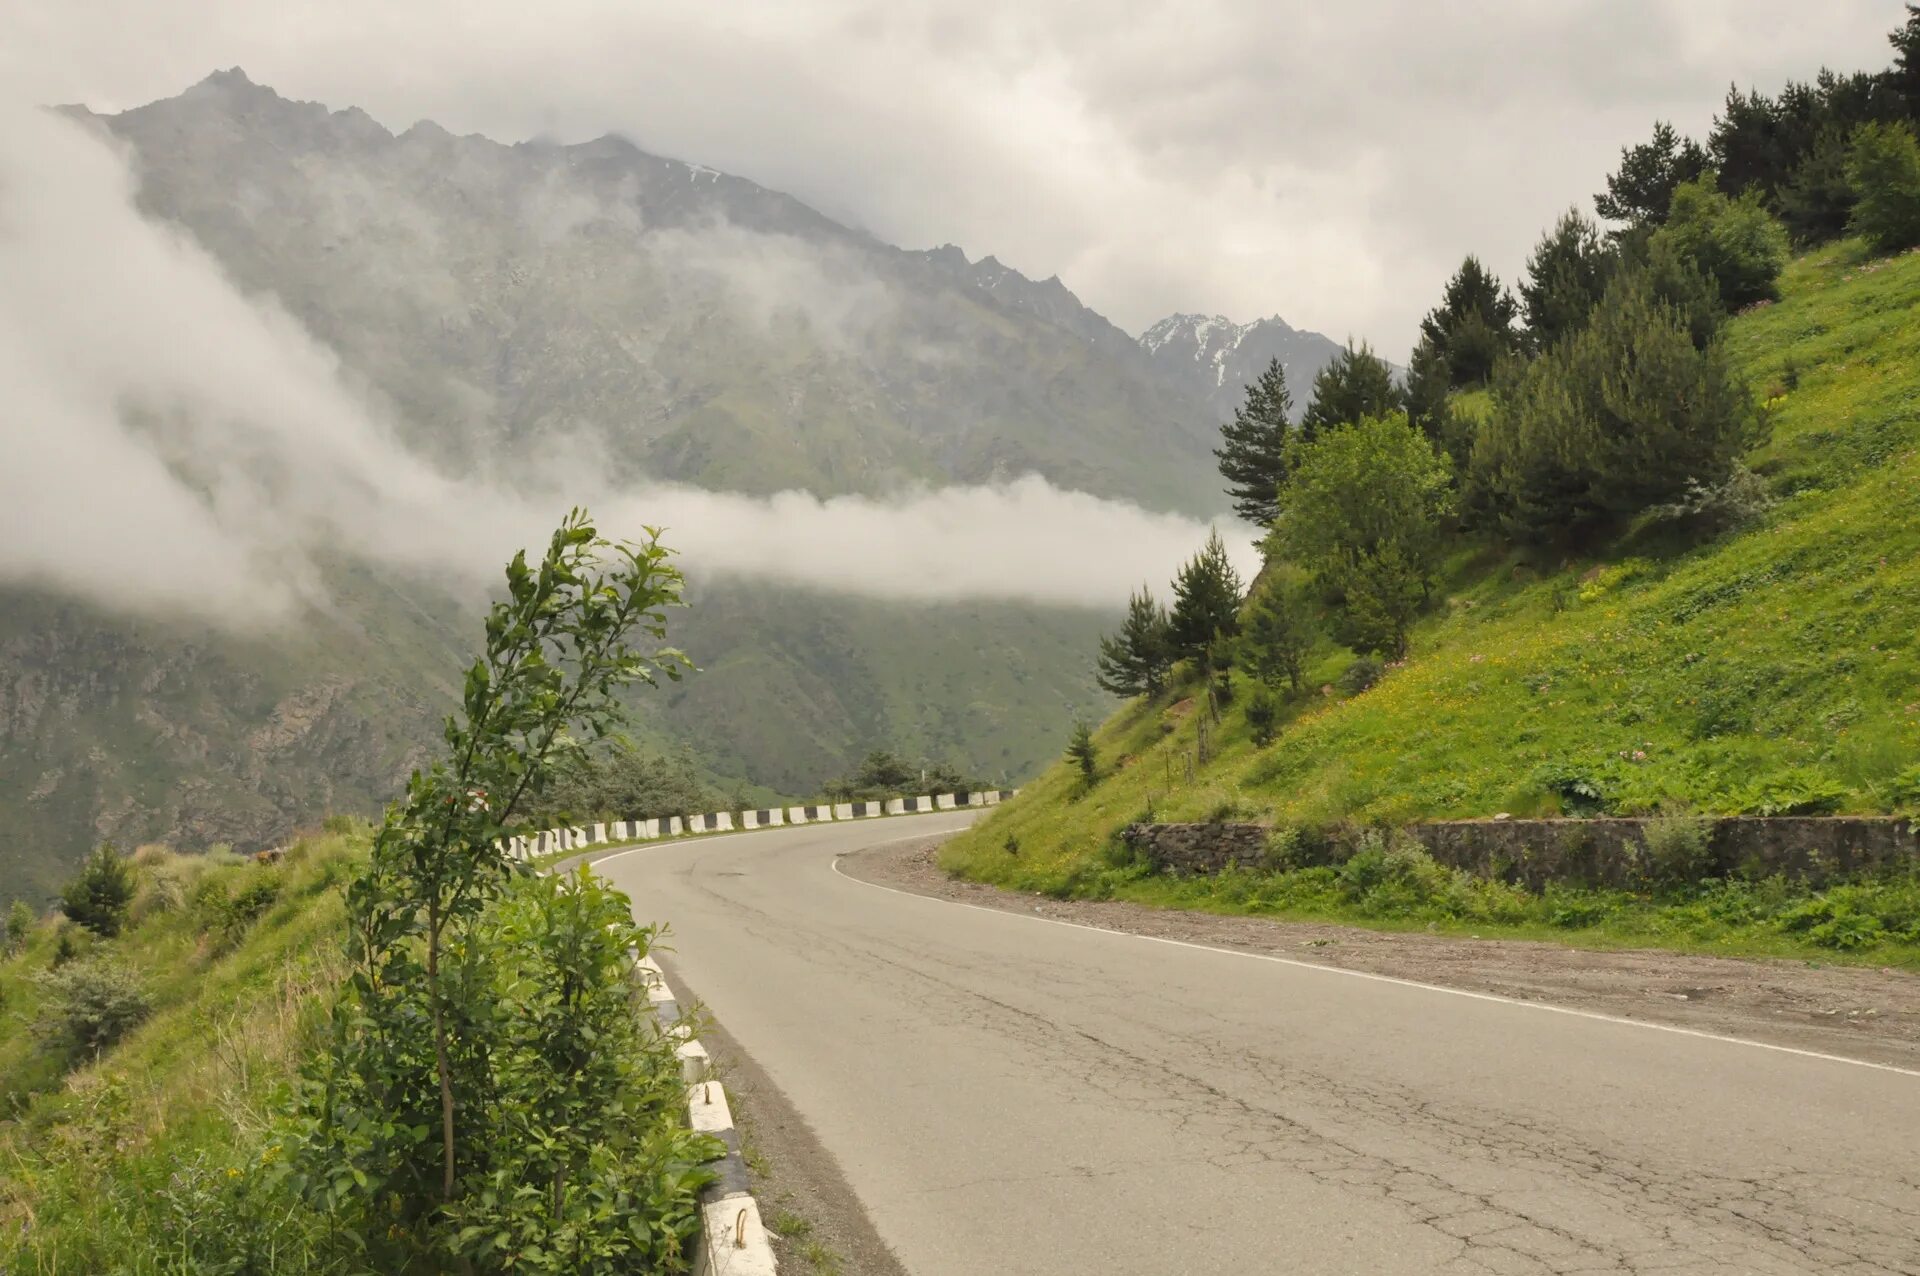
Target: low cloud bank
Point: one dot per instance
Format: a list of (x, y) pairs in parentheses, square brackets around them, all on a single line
[(170, 445)]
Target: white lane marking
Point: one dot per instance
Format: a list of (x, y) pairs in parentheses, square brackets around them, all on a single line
[(1393, 979)]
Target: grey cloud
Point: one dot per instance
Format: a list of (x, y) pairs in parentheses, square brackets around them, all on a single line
[(174, 446), (1328, 162)]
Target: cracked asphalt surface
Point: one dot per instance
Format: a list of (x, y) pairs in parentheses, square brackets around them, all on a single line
[(1008, 1095)]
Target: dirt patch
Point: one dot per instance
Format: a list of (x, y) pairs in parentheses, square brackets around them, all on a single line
[(818, 1224), (1856, 1011)]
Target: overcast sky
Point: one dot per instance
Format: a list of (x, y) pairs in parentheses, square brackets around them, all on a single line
[(1329, 162)]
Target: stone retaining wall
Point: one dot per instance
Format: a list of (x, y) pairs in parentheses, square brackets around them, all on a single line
[(1598, 852)]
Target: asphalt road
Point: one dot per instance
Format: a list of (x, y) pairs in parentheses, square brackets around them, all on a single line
[(1007, 1095)]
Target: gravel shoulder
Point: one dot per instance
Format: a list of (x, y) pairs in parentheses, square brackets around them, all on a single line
[(1857, 1012)]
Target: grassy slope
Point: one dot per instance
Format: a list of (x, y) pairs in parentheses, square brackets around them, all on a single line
[(94, 1162), (1785, 659)]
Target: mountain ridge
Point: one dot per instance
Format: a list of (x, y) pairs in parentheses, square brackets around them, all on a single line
[(498, 300)]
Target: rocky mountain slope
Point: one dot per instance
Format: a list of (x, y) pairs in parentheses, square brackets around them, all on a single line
[(505, 302), (1217, 358), (702, 327)]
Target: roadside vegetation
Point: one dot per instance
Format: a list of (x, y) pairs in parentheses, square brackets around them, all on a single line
[(1640, 539), (386, 1049)]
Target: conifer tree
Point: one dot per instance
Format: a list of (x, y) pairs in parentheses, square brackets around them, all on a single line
[(1358, 384), (1206, 600), (1620, 417), (1472, 327), (1428, 406), (1565, 278), (1883, 167), (1639, 192), (1275, 634), (1905, 74), (1081, 753), (1253, 446), (1136, 660)]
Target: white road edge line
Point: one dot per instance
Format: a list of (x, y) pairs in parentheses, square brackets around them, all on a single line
[(1393, 979)]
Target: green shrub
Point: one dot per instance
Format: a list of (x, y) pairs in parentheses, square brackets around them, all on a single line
[(1579, 792), (90, 1004), (1883, 167), (1903, 791), (1741, 499), (228, 915), (21, 920), (1677, 849), (1391, 879), (1362, 674), (584, 1141), (1792, 792), (99, 896)]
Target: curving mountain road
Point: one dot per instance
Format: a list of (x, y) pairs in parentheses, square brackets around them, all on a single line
[(1008, 1095)]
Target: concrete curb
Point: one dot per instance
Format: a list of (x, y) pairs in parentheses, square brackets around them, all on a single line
[(733, 1237)]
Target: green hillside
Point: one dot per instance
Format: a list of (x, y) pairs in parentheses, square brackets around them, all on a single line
[(112, 1161), (1768, 671)]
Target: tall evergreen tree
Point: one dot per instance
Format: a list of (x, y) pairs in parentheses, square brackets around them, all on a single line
[(1253, 447), (1883, 167), (1565, 278), (1136, 660), (1817, 199), (1905, 74), (1427, 389), (1640, 190), (1358, 384), (1080, 752), (1206, 600), (1275, 634), (1472, 327)]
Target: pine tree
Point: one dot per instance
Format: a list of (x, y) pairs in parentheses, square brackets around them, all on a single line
[(98, 897), (1206, 600), (1620, 417), (1136, 660), (1905, 74), (1081, 753), (1565, 278), (1817, 199), (1472, 327), (1275, 635), (1639, 192), (1883, 167), (1358, 384), (1253, 446), (1429, 405)]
